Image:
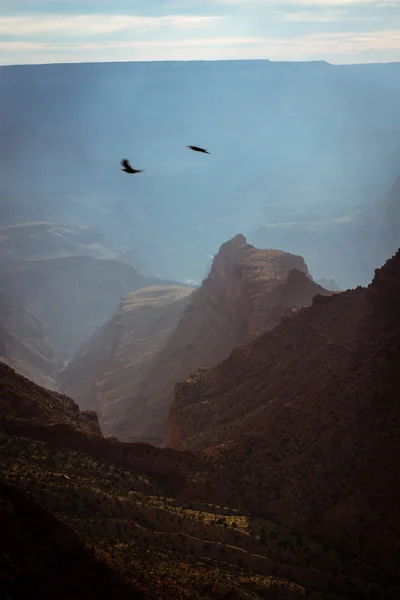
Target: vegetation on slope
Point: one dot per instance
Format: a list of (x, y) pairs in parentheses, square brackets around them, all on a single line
[(40, 557), (164, 547), (302, 423)]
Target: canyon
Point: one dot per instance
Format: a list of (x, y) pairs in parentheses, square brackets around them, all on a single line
[(300, 500), (182, 418), (58, 284), (128, 370)]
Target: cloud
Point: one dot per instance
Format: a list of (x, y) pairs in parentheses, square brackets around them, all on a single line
[(97, 24), (309, 224), (319, 16)]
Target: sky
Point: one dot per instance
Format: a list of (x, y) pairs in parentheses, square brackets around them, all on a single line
[(338, 31)]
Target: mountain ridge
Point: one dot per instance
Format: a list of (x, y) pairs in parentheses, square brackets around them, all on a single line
[(301, 422), (246, 291)]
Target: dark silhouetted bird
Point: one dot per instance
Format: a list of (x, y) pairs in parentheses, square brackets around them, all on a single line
[(128, 168), (197, 149)]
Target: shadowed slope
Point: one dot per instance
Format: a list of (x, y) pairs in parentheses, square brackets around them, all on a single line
[(43, 558), (22, 402), (307, 418)]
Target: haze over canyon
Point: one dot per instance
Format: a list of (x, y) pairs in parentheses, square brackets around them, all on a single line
[(199, 363)]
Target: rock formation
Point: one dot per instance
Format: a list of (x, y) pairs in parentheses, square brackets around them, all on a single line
[(23, 403), (108, 370), (128, 370), (302, 423)]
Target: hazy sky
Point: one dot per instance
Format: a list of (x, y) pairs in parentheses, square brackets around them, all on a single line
[(339, 31)]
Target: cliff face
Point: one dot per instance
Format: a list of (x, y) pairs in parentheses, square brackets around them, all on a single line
[(267, 373), (130, 369), (108, 370), (304, 420), (242, 293)]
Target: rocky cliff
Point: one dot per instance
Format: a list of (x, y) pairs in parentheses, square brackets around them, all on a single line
[(108, 370), (302, 422), (129, 370), (23, 403)]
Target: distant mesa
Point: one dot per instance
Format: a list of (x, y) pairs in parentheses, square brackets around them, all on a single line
[(46, 239)]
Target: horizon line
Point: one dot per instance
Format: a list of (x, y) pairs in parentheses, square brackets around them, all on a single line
[(210, 60)]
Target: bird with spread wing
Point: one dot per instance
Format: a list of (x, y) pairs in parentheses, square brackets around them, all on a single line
[(127, 167)]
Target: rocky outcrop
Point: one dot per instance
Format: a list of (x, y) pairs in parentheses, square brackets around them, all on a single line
[(23, 403), (129, 369), (302, 422)]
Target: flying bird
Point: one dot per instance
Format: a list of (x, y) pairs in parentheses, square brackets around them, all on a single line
[(128, 168), (197, 149)]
